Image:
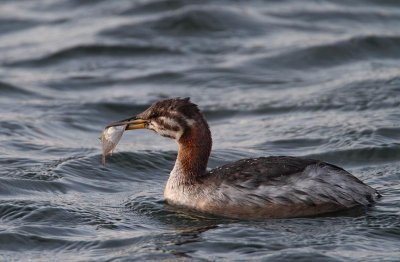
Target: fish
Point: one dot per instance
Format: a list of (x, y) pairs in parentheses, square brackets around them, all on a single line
[(109, 139)]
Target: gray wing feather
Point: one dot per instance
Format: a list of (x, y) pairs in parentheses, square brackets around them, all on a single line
[(289, 181)]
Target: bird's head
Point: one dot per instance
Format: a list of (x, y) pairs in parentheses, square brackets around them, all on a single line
[(171, 118)]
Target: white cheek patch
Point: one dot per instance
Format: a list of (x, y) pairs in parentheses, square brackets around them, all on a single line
[(169, 121), (168, 132)]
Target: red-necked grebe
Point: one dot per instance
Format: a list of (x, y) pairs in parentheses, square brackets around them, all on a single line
[(265, 187)]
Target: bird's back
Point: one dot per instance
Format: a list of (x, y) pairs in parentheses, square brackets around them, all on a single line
[(281, 187)]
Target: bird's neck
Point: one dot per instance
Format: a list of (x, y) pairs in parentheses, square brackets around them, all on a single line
[(194, 151)]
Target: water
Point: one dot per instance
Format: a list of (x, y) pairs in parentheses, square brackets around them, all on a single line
[(306, 78)]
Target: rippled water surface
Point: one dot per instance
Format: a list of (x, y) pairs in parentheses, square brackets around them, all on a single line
[(307, 78)]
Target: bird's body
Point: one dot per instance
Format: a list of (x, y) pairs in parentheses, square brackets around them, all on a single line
[(270, 187), (266, 187)]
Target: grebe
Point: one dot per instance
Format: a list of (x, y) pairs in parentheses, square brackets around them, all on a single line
[(265, 187)]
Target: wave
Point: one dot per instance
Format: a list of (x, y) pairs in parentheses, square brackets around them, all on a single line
[(361, 48), (339, 15), (9, 25), (23, 186), (155, 7), (98, 50), (116, 107), (200, 19), (361, 156), (8, 90), (192, 20)]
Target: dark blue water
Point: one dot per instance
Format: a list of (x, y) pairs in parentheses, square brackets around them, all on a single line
[(305, 78)]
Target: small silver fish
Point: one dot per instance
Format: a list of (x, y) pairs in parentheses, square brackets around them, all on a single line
[(109, 139)]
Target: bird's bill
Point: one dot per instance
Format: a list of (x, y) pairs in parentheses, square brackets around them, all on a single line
[(131, 123)]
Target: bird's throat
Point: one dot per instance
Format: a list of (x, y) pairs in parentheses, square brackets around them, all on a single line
[(194, 151)]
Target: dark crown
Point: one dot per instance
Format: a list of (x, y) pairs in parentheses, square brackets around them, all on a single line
[(167, 106)]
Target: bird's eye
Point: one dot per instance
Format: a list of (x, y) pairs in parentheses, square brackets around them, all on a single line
[(153, 115)]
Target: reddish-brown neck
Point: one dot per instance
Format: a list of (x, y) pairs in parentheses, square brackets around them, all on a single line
[(194, 151)]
